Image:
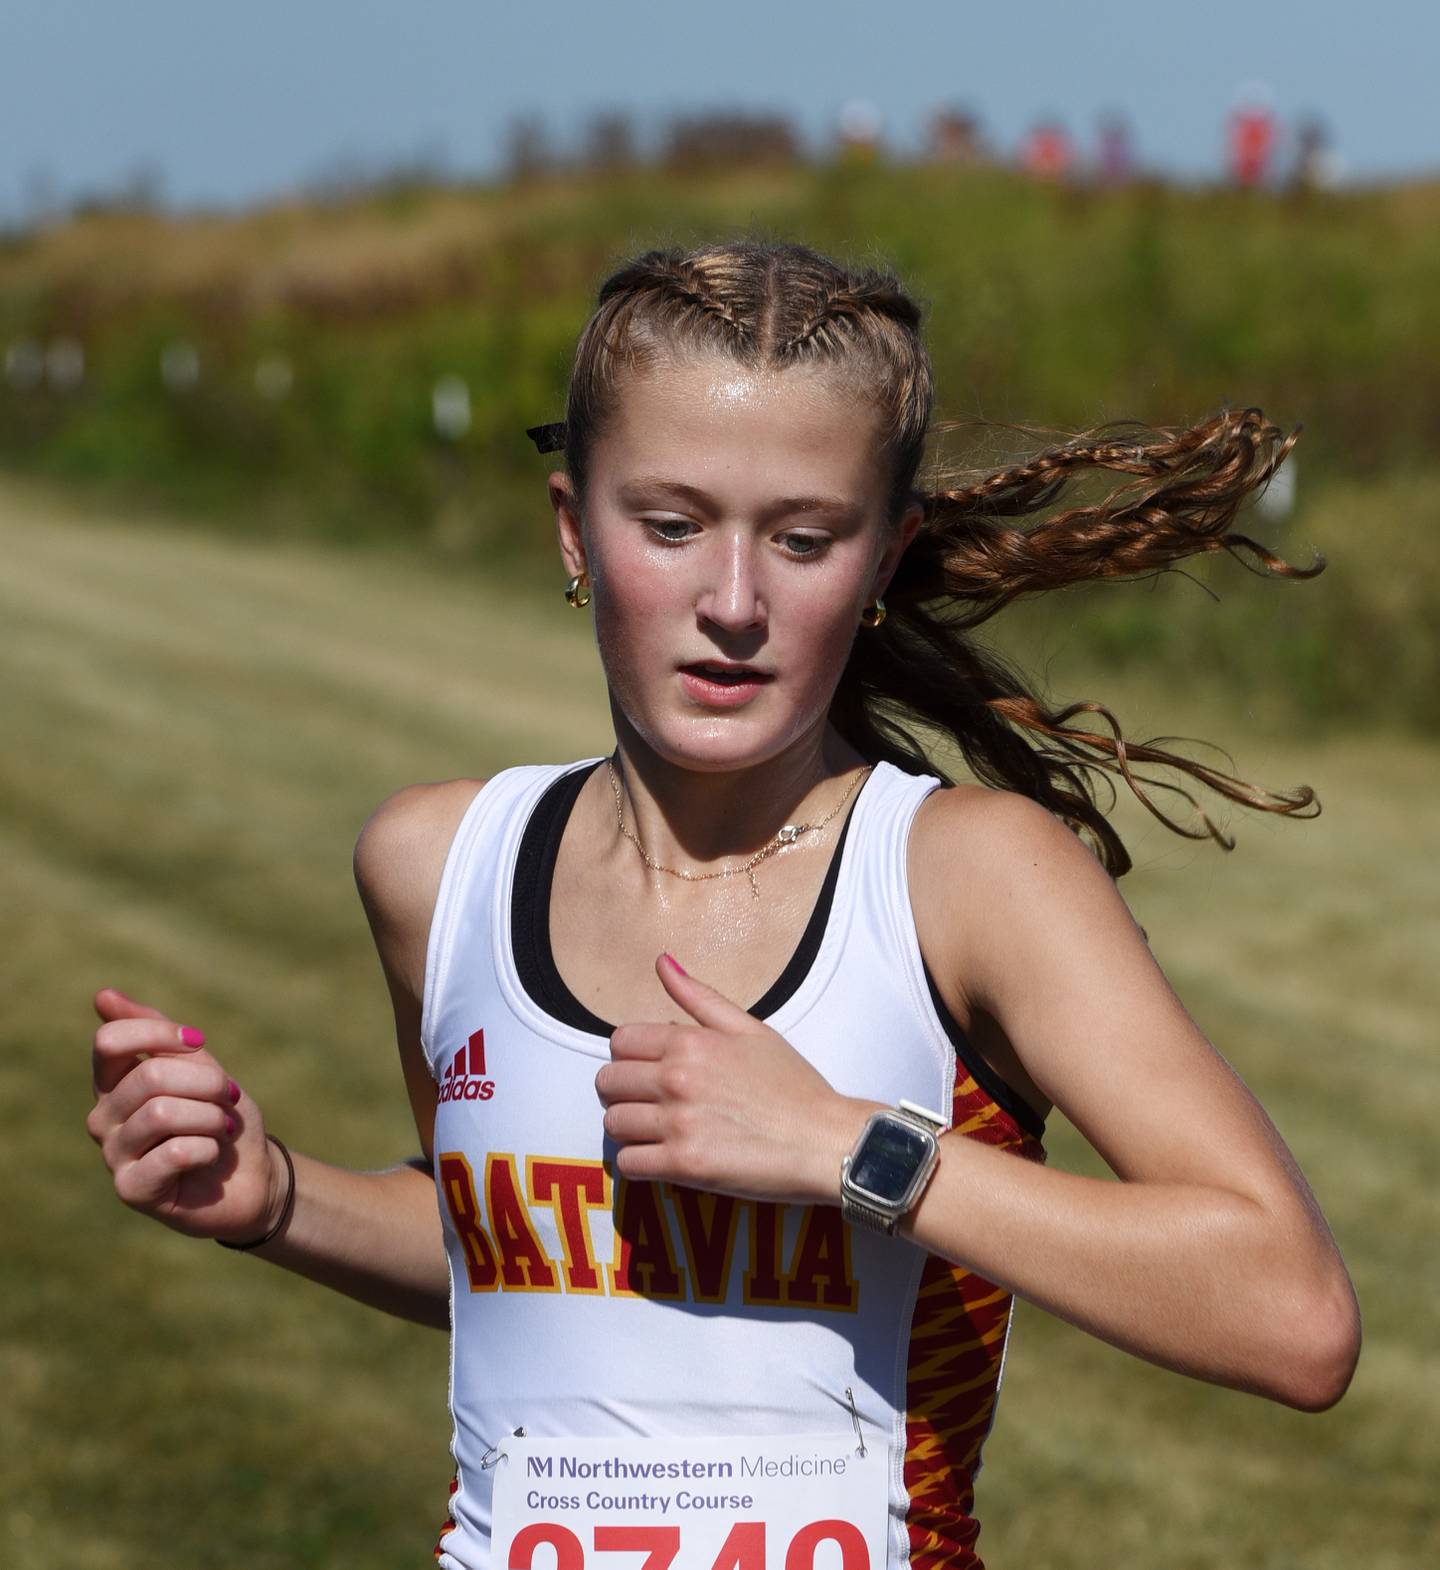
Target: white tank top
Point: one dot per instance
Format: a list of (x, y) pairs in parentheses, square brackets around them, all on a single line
[(586, 1305)]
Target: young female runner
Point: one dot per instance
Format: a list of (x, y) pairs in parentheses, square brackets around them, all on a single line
[(729, 1256)]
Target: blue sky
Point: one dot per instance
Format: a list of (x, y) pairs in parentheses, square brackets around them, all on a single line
[(234, 103)]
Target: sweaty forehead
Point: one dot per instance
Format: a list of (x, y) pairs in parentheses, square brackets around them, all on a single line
[(710, 418)]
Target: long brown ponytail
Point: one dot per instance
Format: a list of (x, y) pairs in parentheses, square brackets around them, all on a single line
[(919, 679)]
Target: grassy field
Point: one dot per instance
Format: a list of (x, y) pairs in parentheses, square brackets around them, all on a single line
[(195, 728)]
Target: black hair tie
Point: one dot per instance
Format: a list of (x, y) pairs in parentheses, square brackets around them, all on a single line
[(285, 1210), (547, 438)]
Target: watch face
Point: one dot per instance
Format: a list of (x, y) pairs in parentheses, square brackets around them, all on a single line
[(887, 1161)]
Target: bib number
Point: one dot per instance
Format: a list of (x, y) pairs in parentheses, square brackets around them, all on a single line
[(768, 1503)]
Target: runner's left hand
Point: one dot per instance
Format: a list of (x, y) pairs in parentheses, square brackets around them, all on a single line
[(725, 1104)]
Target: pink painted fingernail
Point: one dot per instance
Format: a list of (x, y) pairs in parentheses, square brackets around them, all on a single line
[(678, 966), (234, 1089), (230, 1124), (192, 1037)]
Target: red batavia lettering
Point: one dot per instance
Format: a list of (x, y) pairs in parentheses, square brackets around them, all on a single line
[(572, 1188), (820, 1270), (767, 1230), (457, 1183), (505, 1250), (524, 1264), (707, 1229), (644, 1254)]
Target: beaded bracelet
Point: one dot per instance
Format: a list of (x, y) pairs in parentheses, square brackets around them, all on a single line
[(285, 1210)]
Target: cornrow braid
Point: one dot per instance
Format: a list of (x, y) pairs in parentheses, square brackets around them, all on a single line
[(850, 301), (678, 277)]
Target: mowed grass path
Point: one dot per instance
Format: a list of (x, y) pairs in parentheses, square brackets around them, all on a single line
[(194, 731)]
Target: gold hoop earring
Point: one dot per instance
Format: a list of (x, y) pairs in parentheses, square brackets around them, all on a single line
[(577, 591), (874, 614)]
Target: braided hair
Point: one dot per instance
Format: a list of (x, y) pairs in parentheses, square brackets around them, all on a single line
[(1177, 493)]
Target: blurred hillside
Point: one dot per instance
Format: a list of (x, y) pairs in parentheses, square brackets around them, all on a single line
[(364, 368)]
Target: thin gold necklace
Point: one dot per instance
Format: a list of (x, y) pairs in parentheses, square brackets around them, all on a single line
[(781, 840)]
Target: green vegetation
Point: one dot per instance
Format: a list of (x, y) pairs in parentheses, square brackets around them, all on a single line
[(197, 726), (1060, 306), (1065, 307)]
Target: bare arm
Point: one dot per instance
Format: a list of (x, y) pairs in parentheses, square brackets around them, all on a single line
[(375, 1236), (188, 1147), (1210, 1255)]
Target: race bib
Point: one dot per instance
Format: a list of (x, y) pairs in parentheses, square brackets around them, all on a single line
[(778, 1502)]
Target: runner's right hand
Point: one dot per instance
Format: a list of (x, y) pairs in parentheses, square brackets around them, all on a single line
[(183, 1142)]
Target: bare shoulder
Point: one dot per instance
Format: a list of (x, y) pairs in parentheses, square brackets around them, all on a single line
[(995, 873), (398, 861), (984, 833)]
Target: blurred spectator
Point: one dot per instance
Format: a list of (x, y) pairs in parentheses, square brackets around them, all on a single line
[(727, 138), (1317, 166), (610, 142), (859, 131), (954, 138), (1047, 152), (528, 152), (1250, 136), (1115, 153)]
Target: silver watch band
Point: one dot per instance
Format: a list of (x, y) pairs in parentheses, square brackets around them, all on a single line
[(932, 1120), (856, 1210)]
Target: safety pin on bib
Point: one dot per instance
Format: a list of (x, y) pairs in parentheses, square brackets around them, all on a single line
[(494, 1455), (855, 1416)]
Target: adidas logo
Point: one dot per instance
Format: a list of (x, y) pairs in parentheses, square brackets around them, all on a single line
[(464, 1078)]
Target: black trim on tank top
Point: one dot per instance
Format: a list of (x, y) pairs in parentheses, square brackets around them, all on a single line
[(989, 1081), (535, 860), (530, 914)]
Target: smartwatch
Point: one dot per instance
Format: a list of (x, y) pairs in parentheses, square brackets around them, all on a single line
[(891, 1163)]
